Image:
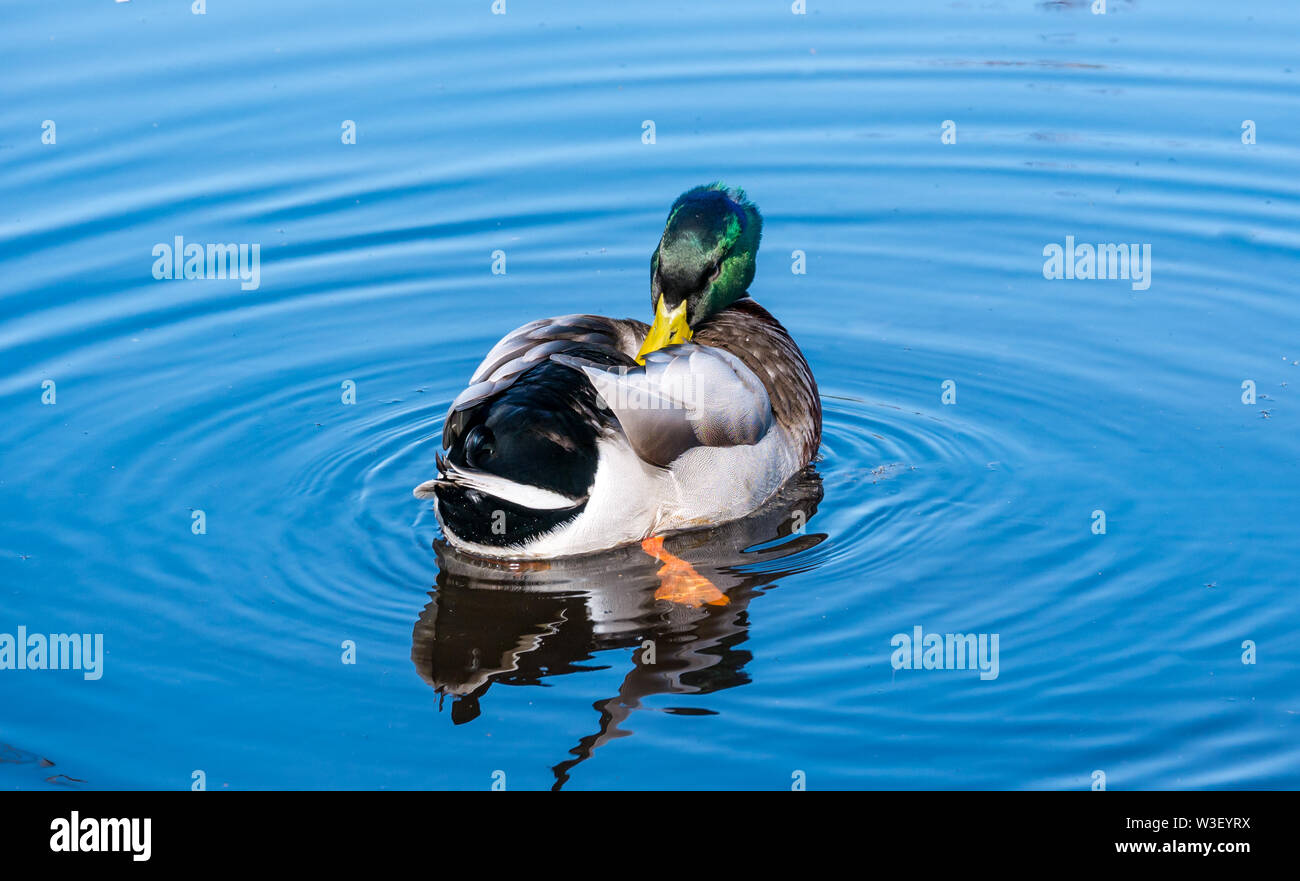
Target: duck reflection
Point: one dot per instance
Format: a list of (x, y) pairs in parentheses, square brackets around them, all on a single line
[(516, 623)]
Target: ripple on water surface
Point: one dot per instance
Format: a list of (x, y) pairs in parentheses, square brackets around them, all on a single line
[(523, 134)]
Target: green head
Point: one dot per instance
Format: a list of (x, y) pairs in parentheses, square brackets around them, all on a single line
[(706, 255)]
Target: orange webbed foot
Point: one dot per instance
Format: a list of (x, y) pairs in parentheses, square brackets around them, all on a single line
[(678, 580)]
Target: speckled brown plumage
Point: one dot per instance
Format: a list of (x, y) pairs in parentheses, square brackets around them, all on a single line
[(748, 331)]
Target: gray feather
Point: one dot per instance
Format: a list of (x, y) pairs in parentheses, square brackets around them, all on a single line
[(685, 396)]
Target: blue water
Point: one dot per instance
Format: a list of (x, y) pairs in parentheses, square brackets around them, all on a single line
[(1120, 653)]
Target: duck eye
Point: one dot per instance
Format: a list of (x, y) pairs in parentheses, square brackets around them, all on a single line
[(717, 270), (479, 446)]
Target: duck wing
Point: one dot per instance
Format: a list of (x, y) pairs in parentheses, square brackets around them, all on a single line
[(685, 396), (524, 348), (522, 440)]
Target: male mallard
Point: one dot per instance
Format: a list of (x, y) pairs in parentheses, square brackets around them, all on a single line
[(582, 432)]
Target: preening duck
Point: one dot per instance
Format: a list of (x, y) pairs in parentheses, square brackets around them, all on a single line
[(582, 433)]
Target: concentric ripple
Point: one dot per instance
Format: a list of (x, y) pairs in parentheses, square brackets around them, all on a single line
[(978, 416)]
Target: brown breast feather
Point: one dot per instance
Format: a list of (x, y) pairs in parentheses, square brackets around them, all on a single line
[(748, 331)]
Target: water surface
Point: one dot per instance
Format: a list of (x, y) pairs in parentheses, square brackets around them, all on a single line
[(1119, 652)]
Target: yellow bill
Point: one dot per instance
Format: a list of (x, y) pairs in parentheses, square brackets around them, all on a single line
[(669, 329)]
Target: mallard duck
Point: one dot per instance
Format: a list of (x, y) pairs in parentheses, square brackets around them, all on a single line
[(582, 433)]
